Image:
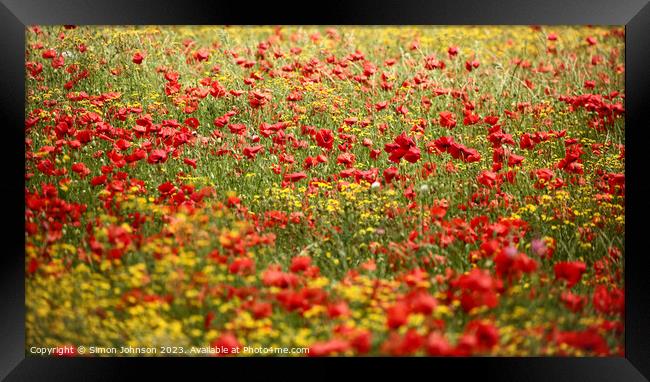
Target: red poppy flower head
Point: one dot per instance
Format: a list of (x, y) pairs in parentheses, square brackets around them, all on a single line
[(157, 156), (300, 263), (202, 54), (397, 315), (295, 177), (226, 344), (137, 58), (403, 147), (447, 119), (324, 138), (570, 271)]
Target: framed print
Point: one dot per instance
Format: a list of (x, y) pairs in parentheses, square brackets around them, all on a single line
[(450, 186)]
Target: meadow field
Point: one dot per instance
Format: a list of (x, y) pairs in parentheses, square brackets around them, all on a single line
[(351, 191)]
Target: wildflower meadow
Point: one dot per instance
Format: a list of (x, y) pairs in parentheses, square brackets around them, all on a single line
[(343, 191)]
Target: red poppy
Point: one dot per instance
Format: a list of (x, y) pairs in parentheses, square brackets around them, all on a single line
[(300, 263), (98, 180), (261, 309), (242, 266), (466, 154), (397, 315), (237, 128), (470, 118), (487, 178), (157, 156), (258, 99), (339, 309), (81, 169), (588, 340), (191, 162), (512, 265), (49, 54), (431, 62), (389, 174), (324, 138), (570, 271), (137, 58), (515, 160), (486, 334), (437, 345), (470, 65), (422, 302), (346, 159), (381, 105), (447, 119), (226, 344), (166, 188), (362, 341), (478, 288), (294, 177), (609, 302), (408, 344), (252, 151), (573, 302), (202, 54), (334, 346), (403, 147), (443, 143)]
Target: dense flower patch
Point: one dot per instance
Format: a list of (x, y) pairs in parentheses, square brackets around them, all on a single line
[(355, 191)]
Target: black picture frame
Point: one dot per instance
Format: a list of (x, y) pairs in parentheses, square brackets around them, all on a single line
[(15, 15)]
